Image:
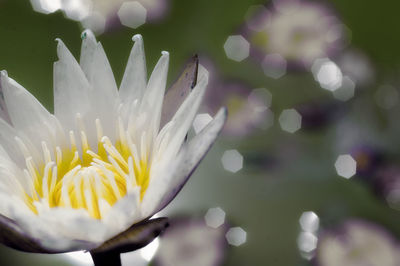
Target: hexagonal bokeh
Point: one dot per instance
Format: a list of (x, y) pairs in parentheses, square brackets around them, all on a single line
[(189, 241), (77, 9), (46, 6), (215, 217), (237, 48), (387, 97), (327, 73), (260, 99), (132, 14), (232, 161), (255, 22), (290, 120), (268, 120), (357, 66), (309, 221), (201, 121), (346, 166), (95, 21), (393, 198), (307, 241), (346, 91), (274, 66), (236, 236)]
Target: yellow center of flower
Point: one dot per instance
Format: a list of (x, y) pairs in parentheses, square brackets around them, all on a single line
[(89, 180)]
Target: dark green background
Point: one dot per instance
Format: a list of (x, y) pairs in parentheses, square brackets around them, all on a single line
[(266, 202)]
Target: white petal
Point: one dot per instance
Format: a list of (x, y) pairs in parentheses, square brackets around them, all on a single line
[(178, 92), (183, 118), (28, 115), (135, 77), (71, 89), (123, 214), (33, 226), (151, 102), (12, 179), (3, 107), (74, 224), (103, 94), (88, 49), (62, 229), (9, 202), (173, 176), (7, 140)]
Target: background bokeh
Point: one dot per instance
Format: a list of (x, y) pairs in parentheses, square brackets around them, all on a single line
[(284, 174)]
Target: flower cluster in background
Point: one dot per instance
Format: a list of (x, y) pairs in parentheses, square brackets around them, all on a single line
[(100, 15), (358, 242), (299, 31)]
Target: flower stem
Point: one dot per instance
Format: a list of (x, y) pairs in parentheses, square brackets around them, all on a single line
[(106, 258)]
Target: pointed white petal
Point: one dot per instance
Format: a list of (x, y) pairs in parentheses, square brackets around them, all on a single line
[(71, 89), (178, 92), (88, 49), (103, 94), (183, 118), (28, 115), (12, 180), (162, 190), (96, 67), (7, 140), (3, 107), (151, 102), (135, 77)]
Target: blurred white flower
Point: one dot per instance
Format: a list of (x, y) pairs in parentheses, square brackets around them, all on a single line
[(248, 108), (105, 160), (95, 14), (357, 66), (299, 31), (191, 242), (358, 243)]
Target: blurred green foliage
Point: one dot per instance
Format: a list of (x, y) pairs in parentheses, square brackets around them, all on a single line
[(266, 203)]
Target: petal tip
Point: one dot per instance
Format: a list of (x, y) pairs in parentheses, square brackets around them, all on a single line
[(223, 113), (203, 74), (165, 53), (224, 110), (3, 73), (87, 35), (60, 45), (137, 37)]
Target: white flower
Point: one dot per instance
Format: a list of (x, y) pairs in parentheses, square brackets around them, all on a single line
[(203, 245), (104, 161), (95, 14), (291, 31), (358, 243)]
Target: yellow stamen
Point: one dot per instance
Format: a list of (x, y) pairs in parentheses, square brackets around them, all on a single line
[(88, 180)]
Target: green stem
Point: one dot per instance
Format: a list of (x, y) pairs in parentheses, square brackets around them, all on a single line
[(106, 259)]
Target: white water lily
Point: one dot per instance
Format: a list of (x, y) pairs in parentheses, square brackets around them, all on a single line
[(96, 14), (290, 31), (104, 160), (358, 243)]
